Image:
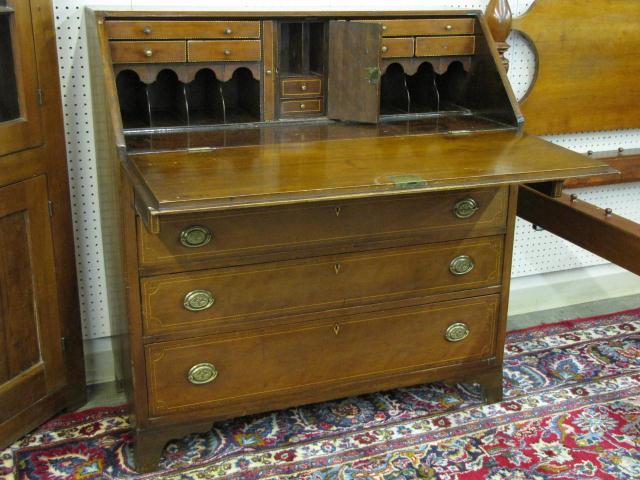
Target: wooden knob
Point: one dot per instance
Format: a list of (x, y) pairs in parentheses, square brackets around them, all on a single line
[(384, 49), (147, 30), (148, 53), (227, 52), (228, 31), (303, 87)]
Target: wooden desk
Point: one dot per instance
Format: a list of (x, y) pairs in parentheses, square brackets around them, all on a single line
[(277, 255)]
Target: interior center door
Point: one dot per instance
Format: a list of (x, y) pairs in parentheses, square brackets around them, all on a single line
[(20, 122), (354, 71)]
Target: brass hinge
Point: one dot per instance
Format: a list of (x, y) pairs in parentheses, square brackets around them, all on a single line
[(50, 208), (40, 94), (407, 182), (63, 343)]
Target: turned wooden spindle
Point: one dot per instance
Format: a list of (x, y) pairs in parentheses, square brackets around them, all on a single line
[(498, 15)]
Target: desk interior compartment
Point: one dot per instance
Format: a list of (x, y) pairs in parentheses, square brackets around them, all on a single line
[(366, 85)]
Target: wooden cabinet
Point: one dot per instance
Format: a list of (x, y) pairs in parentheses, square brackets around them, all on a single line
[(20, 120), (275, 255), (41, 362), (31, 357)]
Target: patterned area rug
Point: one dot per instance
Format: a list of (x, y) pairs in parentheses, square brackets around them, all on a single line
[(572, 411)]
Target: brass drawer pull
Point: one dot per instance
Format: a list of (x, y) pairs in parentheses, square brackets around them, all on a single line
[(148, 52), (303, 106), (448, 28), (303, 87), (457, 332), (228, 31), (466, 208), (202, 373), (227, 52), (195, 236), (461, 265), (384, 49), (198, 300), (147, 30)]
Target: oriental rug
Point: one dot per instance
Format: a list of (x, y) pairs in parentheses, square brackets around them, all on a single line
[(571, 411)]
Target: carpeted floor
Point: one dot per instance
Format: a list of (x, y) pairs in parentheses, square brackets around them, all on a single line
[(572, 411)]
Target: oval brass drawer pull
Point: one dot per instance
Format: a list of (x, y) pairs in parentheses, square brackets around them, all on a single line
[(461, 265), (195, 236), (198, 300), (202, 373), (466, 208), (457, 332)]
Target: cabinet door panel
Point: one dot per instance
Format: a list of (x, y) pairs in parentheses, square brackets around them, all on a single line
[(354, 71), (20, 123), (30, 349)]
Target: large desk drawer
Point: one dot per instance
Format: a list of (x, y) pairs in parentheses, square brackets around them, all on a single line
[(225, 238), (177, 302), (227, 373)]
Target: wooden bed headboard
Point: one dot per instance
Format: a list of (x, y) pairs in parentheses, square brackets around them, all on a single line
[(588, 67)]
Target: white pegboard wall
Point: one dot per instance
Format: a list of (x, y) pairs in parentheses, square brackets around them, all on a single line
[(535, 252)]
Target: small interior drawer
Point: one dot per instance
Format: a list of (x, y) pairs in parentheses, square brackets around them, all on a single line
[(317, 284), (227, 372), (148, 52), (299, 87), (221, 50), (397, 47), (429, 26), (311, 105), (169, 29), (444, 46)]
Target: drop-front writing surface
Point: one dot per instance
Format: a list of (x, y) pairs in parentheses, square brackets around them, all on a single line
[(287, 192)]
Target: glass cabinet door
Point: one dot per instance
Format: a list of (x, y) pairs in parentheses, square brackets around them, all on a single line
[(20, 123)]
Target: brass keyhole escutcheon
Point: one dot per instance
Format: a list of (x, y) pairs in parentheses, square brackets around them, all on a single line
[(461, 265), (202, 373), (198, 300), (195, 236), (457, 332), (338, 210), (337, 268), (336, 329), (466, 208)]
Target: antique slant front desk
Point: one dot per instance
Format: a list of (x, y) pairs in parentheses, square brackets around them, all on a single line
[(307, 206)]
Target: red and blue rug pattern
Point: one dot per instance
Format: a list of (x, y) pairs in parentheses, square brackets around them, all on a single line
[(571, 411)]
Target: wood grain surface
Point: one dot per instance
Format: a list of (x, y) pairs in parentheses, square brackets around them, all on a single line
[(588, 65)]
